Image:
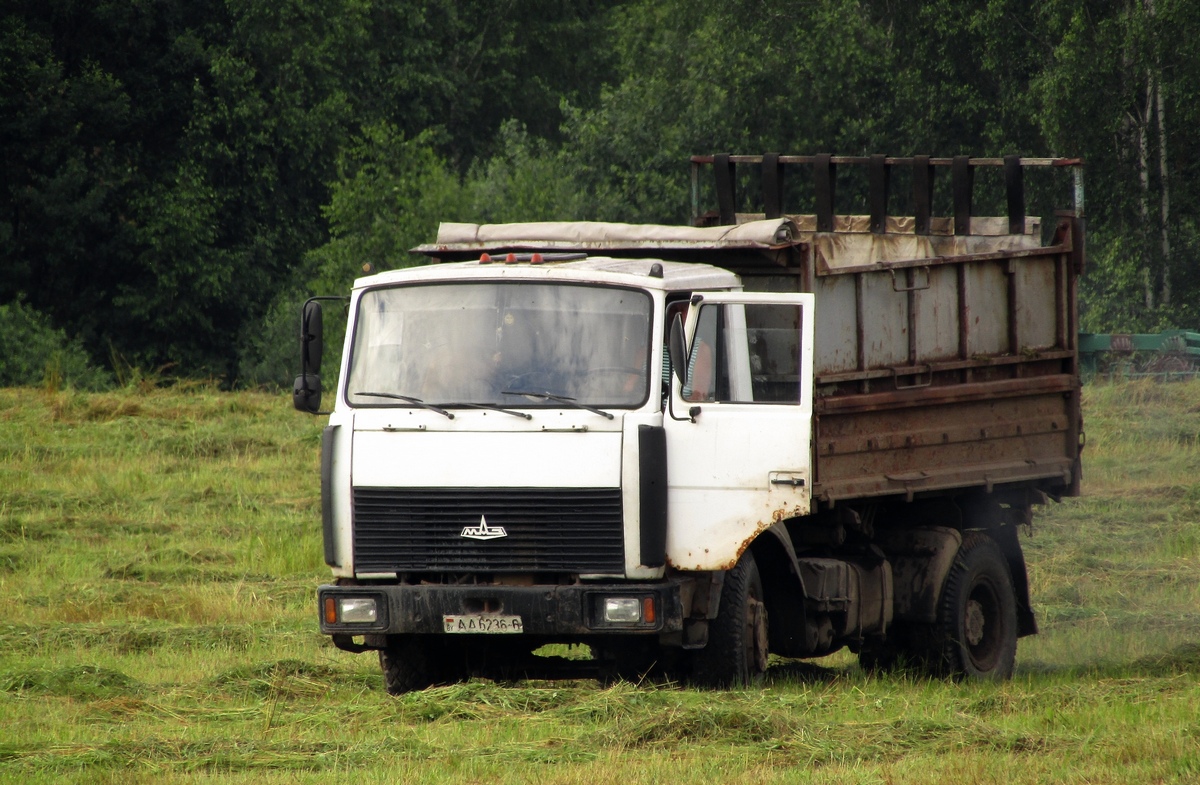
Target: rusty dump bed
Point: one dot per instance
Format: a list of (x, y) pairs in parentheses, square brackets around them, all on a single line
[(946, 351), (944, 365)]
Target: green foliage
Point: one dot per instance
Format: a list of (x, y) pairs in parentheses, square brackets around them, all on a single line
[(77, 189), (962, 71), (527, 180), (270, 347), (1113, 272), (32, 352), (391, 193), (167, 164), (1094, 98), (173, 171), (733, 77)]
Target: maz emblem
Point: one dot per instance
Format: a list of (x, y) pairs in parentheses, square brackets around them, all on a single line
[(483, 531)]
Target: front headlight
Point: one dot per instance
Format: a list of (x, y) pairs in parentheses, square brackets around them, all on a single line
[(622, 610), (350, 610), (357, 610)]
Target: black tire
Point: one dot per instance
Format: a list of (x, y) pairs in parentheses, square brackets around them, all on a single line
[(906, 649), (880, 657), (976, 632), (412, 663), (632, 661), (736, 654)]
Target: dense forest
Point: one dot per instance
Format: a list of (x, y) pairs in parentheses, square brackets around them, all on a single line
[(178, 174)]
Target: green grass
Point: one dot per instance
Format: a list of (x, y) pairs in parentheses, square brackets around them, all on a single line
[(158, 556)]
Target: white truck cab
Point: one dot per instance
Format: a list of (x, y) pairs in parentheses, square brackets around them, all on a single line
[(508, 438), (543, 379)]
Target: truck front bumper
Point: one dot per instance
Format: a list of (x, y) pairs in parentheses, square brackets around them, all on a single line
[(572, 611)]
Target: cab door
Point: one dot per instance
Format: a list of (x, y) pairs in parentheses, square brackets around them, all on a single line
[(739, 424)]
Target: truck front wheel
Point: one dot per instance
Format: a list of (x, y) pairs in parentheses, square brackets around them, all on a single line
[(410, 664), (736, 654), (976, 631)]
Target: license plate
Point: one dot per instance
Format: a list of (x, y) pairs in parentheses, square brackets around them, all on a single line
[(482, 623)]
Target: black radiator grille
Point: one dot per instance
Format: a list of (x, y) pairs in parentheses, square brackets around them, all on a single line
[(548, 530)]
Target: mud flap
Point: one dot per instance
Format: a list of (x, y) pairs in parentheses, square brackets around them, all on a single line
[(1006, 538)]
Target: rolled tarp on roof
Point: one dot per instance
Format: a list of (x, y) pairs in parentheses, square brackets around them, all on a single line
[(851, 248), (771, 233)]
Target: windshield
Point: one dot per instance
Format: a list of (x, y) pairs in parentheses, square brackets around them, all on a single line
[(505, 344)]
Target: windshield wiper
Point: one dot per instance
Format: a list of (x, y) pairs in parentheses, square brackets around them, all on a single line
[(407, 399), (490, 407), (545, 396)]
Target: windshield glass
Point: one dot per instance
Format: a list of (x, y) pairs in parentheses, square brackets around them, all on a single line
[(458, 343)]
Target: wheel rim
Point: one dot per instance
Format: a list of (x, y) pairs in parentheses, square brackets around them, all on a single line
[(982, 626)]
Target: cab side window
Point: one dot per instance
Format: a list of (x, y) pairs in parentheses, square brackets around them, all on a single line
[(745, 354)]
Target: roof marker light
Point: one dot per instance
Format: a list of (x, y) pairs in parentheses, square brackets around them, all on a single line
[(510, 259), (485, 258), (536, 259)]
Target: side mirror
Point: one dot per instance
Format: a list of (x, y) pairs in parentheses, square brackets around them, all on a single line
[(677, 349), (312, 332), (306, 393)]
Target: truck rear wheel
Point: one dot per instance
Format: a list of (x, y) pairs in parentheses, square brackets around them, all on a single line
[(976, 631), (736, 654)]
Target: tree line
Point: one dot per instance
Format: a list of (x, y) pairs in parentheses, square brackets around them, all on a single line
[(178, 174)]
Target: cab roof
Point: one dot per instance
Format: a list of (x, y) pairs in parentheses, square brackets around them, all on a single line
[(645, 273)]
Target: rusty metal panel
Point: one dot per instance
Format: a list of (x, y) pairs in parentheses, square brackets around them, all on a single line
[(884, 320), (936, 316), (987, 308), (1037, 298), (910, 442), (836, 341), (892, 314)]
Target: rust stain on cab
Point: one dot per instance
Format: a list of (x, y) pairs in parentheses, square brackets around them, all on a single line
[(777, 516)]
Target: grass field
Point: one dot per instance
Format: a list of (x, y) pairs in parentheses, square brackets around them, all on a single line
[(159, 551)]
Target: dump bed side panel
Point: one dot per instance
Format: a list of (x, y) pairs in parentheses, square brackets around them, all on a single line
[(953, 370)]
